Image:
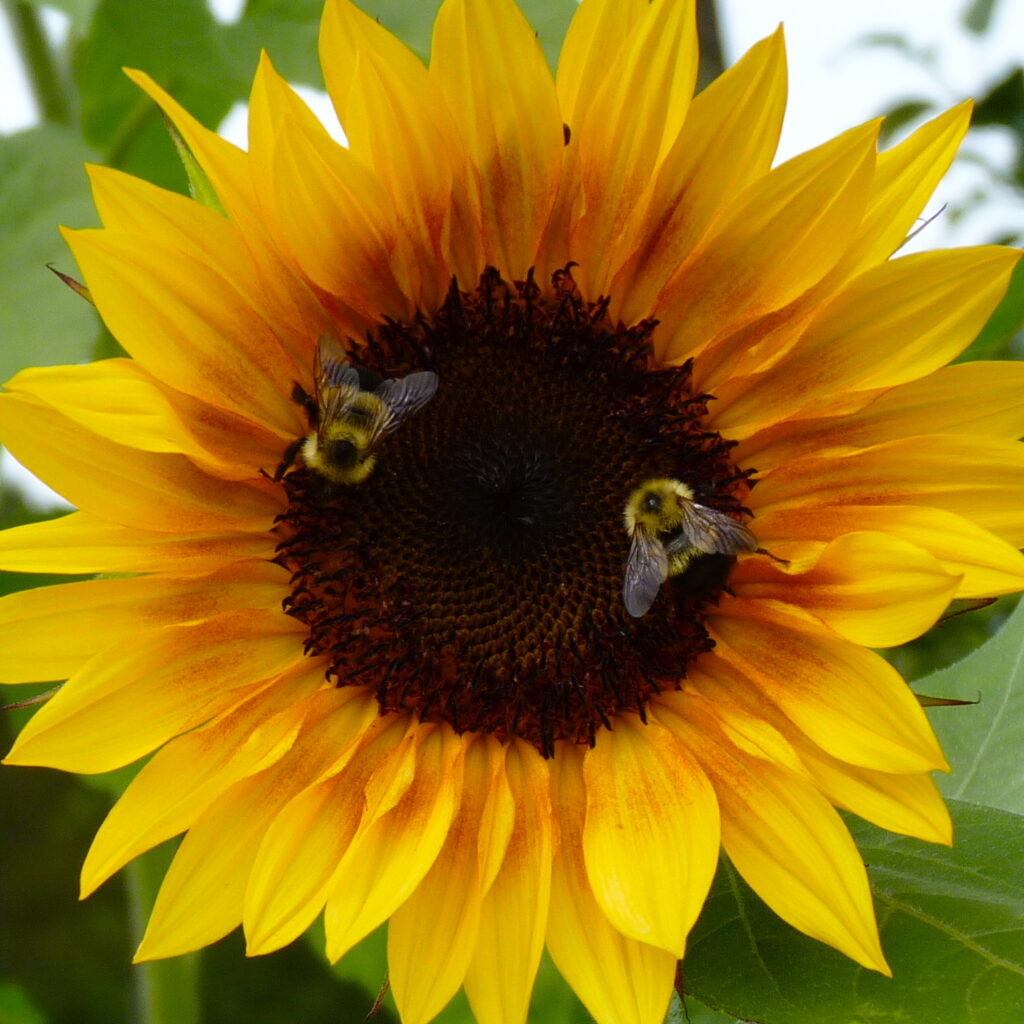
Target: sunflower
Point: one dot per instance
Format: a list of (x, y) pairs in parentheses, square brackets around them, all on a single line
[(419, 697)]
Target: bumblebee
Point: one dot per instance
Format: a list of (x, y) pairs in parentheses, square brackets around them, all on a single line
[(353, 411), (669, 532)]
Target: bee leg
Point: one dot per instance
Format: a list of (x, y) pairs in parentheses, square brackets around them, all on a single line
[(300, 396), (288, 459), (774, 558)]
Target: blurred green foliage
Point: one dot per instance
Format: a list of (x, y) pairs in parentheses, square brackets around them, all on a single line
[(64, 962)]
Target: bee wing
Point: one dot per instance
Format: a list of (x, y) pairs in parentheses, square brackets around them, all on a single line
[(713, 532), (402, 396), (337, 381), (330, 364), (646, 570)]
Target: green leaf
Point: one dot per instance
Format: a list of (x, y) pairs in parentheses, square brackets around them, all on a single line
[(365, 966), (79, 11), (41, 320), (287, 29), (952, 926), (983, 742), (413, 23), (948, 642), (1006, 322), (179, 44), (551, 20), (886, 40), (1003, 104), (692, 1012), (978, 15), (553, 1000), (198, 180), (901, 114), (71, 957), (16, 1007)]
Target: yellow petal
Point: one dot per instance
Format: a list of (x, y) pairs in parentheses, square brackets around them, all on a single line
[(139, 489), (183, 778), (135, 207), (49, 633), (200, 899), (514, 913), (792, 848), (905, 177), (935, 303), (618, 979), (981, 479), (387, 860), (118, 400), (728, 142), (188, 325), (631, 123), (967, 398), (651, 834), (489, 66), (326, 209), (202, 895), (224, 163), (303, 845), (134, 696), (431, 937), (81, 543), (783, 234), (905, 803), (729, 712), (397, 122), (819, 681), (871, 588), (287, 299), (908, 804), (988, 565), (498, 820), (595, 36), (336, 222)]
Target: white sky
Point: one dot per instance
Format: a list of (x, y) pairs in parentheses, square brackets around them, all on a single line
[(834, 83)]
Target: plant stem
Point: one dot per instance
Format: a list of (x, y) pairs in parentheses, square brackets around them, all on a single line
[(167, 991), (712, 59), (43, 73)]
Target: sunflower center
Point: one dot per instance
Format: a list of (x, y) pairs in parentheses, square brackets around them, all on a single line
[(476, 575), (506, 496)]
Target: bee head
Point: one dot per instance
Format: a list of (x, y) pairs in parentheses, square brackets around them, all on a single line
[(653, 502)]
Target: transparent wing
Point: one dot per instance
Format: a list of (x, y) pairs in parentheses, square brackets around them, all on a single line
[(646, 570), (713, 532), (337, 381), (402, 397), (330, 364)]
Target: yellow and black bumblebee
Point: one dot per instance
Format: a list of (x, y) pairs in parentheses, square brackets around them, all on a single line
[(669, 533), (352, 411)]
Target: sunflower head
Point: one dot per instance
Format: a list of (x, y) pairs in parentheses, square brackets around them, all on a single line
[(403, 427), (482, 565)]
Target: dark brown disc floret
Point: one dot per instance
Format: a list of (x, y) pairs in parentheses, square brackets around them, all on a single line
[(476, 575)]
